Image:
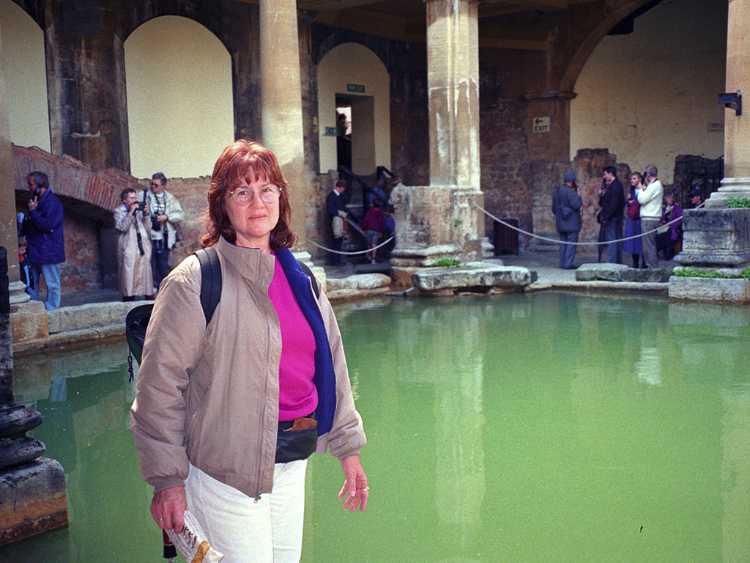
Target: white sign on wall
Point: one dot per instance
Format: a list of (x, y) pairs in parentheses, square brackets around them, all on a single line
[(540, 124)]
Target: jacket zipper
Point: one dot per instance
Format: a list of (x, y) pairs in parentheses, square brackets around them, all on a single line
[(263, 413)]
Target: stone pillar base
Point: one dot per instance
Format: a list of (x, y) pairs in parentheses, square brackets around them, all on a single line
[(434, 222), (32, 500), (29, 321), (716, 237), (18, 293), (730, 187)]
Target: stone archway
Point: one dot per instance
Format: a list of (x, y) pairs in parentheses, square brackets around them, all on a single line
[(354, 72), (593, 38), (24, 63), (179, 97), (650, 95)]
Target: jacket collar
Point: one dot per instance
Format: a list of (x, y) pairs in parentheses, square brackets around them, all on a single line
[(250, 263)]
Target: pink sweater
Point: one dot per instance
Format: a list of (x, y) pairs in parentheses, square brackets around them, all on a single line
[(297, 393)]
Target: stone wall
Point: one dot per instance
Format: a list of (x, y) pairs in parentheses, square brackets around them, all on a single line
[(82, 268), (506, 181), (589, 166), (193, 194)]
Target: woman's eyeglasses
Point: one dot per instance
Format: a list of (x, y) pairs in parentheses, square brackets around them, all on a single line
[(267, 194)]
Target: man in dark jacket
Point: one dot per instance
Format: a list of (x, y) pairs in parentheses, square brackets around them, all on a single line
[(336, 212), (566, 205), (43, 228), (611, 208)]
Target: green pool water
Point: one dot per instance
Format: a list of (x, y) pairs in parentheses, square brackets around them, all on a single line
[(547, 427)]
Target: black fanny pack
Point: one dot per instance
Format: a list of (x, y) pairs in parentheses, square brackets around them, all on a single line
[(296, 439)]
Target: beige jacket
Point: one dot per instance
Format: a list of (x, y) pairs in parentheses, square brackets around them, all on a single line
[(134, 270), (210, 395)]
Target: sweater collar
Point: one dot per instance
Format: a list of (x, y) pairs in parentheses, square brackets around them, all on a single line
[(250, 263)]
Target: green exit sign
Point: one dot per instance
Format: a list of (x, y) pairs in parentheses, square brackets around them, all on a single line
[(356, 88), (329, 132)]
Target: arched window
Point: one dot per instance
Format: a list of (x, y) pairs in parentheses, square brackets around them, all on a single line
[(179, 93)]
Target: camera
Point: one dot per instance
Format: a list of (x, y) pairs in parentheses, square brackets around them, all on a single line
[(155, 224)]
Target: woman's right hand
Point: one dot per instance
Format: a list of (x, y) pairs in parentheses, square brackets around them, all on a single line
[(168, 508)]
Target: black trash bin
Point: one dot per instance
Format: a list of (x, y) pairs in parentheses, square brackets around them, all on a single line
[(506, 239)]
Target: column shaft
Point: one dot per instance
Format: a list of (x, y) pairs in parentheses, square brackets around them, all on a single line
[(736, 181), (8, 236), (737, 128), (453, 92), (281, 96), (86, 82)]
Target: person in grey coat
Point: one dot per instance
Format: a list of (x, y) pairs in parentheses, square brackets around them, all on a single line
[(566, 205)]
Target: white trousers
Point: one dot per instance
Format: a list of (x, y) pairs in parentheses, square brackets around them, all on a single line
[(245, 531)]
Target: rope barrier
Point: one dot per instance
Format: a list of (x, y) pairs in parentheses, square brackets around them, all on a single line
[(352, 253), (558, 241), (518, 229)]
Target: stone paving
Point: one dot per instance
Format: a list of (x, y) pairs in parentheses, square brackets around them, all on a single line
[(548, 272)]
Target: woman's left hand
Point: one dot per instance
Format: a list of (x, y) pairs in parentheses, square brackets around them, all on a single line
[(355, 487)]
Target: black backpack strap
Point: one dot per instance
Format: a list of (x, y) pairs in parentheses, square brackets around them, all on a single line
[(310, 275), (210, 280)]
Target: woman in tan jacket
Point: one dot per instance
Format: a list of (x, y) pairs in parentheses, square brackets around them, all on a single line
[(226, 413)]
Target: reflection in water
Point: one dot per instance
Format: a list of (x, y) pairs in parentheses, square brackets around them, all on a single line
[(735, 475), (648, 366), (547, 427)]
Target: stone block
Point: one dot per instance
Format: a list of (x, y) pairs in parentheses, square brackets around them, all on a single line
[(710, 289), (401, 277), (92, 315), (716, 237), (29, 322), (359, 281), (32, 500), (603, 272), (478, 276), (434, 222), (647, 275)]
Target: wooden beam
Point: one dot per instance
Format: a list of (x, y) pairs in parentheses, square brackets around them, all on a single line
[(516, 44), (327, 5), (508, 7)]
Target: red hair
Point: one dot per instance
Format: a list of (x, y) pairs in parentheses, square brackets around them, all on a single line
[(246, 159)]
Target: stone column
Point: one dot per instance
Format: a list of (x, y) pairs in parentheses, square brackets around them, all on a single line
[(29, 318), (32, 487), (281, 96), (718, 237), (8, 237), (440, 220), (453, 92), (736, 182)]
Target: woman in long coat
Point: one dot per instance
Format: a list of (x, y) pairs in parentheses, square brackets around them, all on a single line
[(133, 248)]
